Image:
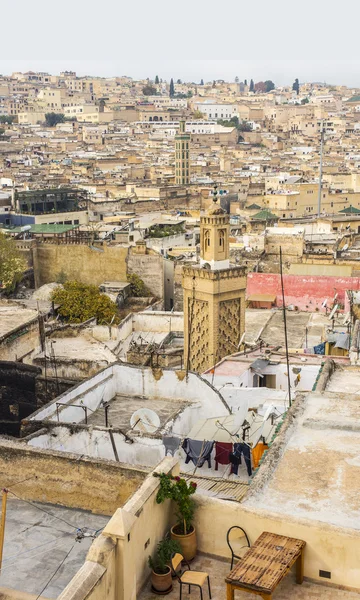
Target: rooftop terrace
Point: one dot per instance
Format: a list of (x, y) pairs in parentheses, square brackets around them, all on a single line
[(287, 590)]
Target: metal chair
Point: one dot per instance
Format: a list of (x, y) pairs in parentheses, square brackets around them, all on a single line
[(196, 578), (233, 538)]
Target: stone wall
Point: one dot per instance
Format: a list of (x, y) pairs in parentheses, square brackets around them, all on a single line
[(150, 268), (20, 341), (100, 486), (95, 265), (84, 263)]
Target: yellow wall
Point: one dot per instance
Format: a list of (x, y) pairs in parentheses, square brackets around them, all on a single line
[(55, 477), (79, 262), (327, 547)]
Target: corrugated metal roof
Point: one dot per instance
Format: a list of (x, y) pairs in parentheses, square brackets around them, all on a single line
[(43, 228), (221, 488)]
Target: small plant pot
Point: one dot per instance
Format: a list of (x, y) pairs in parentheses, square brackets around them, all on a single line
[(161, 584), (187, 542)]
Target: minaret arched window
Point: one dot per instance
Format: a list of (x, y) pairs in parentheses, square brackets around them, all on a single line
[(206, 239), (222, 239)]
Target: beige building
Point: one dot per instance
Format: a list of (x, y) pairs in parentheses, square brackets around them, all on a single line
[(214, 297)]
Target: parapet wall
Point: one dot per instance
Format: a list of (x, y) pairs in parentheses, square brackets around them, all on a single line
[(100, 486)]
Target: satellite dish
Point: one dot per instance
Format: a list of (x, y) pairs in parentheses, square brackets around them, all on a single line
[(145, 420), (332, 314), (25, 228)]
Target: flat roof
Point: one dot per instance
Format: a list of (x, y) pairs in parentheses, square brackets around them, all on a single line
[(322, 449), (13, 316), (36, 543), (40, 228), (122, 408)]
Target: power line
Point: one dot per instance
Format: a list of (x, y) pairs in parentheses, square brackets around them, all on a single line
[(48, 513), (57, 570)]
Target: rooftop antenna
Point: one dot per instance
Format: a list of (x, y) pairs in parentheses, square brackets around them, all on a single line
[(321, 165)]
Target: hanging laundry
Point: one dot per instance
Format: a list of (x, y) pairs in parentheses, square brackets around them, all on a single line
[(222, 451), (198, 452), (171, 443), (235, 458), (257, 453)]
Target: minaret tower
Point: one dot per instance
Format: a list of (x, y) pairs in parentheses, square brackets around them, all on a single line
[(182, 156), (214, 296)]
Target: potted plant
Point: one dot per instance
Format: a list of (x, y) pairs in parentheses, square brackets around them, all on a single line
[(161, 576), (177, 489)]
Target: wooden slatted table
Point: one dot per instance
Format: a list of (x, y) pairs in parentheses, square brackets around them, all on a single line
[(265, 564)]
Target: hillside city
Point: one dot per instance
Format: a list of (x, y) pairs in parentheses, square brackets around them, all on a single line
[(179, 338)]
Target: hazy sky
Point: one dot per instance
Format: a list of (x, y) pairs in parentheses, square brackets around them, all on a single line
[(314, 40)]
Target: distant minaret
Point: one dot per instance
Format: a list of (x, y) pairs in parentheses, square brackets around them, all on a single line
[(182, 156), (214, 295)]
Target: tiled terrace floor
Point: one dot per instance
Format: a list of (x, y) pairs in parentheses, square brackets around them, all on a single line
[(218, 570)]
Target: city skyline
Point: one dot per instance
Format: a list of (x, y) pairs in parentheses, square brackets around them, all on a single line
[(282, 72)]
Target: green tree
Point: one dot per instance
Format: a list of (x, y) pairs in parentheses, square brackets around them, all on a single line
[(12, 264), (305, 101), (198, 114), (149, 90), (202, 82), (79, 302), (252, 86), (157, 80), (245, 82), (172, 88), (296, 86), (53, 119), (138, 288), (179, 82), (270, 85), (7, 119)]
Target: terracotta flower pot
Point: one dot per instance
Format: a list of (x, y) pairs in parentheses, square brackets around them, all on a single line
[(187, 542), (161, 583)]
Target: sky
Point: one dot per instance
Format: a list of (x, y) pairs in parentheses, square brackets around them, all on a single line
[(315, 40)]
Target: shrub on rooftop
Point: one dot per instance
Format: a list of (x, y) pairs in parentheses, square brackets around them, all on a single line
[(179, 490), (79, 302)]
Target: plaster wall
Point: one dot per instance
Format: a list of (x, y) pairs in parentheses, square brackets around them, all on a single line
[(95, 442), (306, 292), (158, 321), (89, 394), (328, 548)]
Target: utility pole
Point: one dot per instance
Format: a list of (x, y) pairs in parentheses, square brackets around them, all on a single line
[(2, 523), (285, 328), (321, 166)]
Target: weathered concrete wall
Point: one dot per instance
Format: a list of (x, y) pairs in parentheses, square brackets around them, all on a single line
[(306, 292), (20, 342), (80, 262), (291, 245), (100, 486), (150, 268)]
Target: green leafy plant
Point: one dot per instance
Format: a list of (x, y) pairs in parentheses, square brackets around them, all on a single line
[(160, 562), (79, 302), (138, 288), (12, 264), (177, 489)]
